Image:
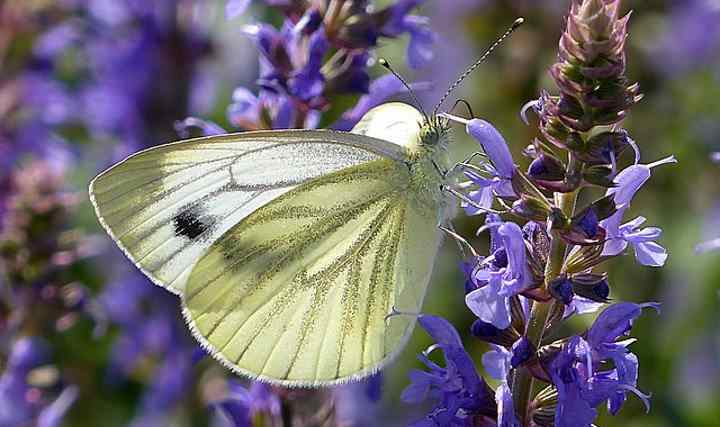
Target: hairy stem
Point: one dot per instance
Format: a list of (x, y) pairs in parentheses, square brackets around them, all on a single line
[(539, 314)]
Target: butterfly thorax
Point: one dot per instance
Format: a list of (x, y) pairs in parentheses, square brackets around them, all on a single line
[(428, 165)]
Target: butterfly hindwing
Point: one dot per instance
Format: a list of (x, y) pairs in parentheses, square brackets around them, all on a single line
[(299, 292)]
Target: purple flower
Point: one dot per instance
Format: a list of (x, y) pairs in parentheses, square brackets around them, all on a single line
[(308, 82), (17, 406), (357, 403), (235, 8), (206, 127), (498, 362), (492, 178), (241, 405), (380, 90), (618, 236), (500, 276), (461, 393), (692, 37), (578, 370), (419, 51)]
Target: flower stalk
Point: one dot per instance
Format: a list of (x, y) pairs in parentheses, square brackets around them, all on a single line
[(541, 312)]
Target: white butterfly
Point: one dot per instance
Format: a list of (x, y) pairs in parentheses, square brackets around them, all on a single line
[(289, 248)]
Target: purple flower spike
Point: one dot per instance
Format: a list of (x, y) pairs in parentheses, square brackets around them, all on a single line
[(494, 146)]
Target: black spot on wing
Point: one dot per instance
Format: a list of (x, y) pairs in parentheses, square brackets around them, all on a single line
[(192, 222)]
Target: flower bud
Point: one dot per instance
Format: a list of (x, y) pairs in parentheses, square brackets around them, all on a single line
[(594, 287), (601, 148), (531, 208), (359, 32), (547, 172), (585, 227), (582, 258), (600, 175), (561, 288), (489, 333), (522, 351)]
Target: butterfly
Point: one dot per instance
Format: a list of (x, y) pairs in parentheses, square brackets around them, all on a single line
[(299, 256), (290, 250)]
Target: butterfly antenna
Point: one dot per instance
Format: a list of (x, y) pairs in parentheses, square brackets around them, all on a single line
[(477, 63), (416, 100)]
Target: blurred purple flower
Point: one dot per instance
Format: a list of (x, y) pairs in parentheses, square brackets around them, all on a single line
[(357, 403), (234, 8), (241, 405), (691, 38), (22, 403), (379, 91)]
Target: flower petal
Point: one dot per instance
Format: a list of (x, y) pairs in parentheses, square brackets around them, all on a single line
[(629, 181), (442, 331), (497, 362), (488, 305), (494, 146), (650, 254)]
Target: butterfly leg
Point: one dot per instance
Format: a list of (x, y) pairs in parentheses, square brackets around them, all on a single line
[(462, 244), (465, 162), (466, 199)]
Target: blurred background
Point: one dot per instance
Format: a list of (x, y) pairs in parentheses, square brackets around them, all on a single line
[(86, 340)]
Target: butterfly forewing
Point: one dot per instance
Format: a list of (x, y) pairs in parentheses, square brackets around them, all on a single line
[(165, 206), (300, 290)]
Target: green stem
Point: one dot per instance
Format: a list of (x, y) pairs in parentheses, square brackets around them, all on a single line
[(523, 381)]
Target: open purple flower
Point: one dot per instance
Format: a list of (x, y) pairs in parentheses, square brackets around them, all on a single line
[(493, 179), (577, 371), (618, 236), (461, 393), (501, 275)]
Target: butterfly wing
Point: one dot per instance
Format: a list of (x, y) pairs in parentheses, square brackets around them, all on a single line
[(165, 206), (299, 292)]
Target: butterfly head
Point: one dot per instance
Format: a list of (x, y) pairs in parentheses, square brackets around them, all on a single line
[(434, 132)]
